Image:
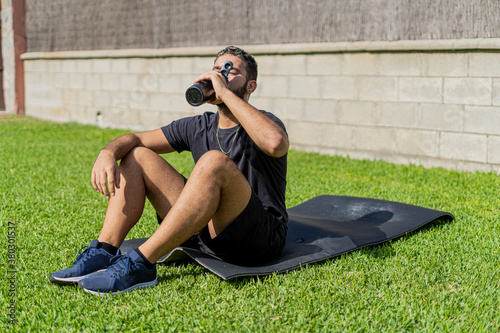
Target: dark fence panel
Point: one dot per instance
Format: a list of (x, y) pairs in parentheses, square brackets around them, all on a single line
[(57, 25)]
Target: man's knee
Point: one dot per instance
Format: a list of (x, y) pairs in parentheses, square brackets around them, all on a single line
[(217, 166), (215, 160), (137, 154), (137, 157)]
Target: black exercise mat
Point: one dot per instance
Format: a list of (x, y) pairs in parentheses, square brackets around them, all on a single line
[(321, 228)]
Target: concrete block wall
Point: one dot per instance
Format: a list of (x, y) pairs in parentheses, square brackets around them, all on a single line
[(135, 93), (400, 107), (434, 103)]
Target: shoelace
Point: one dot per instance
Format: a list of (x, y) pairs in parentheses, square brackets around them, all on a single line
[(120, 265), (83, 255)]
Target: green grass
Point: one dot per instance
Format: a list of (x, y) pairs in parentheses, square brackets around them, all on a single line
[(444, 277)]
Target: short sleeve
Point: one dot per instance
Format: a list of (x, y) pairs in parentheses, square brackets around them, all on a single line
[(275, 119), (177, 134)]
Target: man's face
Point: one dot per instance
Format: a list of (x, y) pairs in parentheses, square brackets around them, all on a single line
[(237, 76)]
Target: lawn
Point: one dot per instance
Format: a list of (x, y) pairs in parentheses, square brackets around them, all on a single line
[(445, 277)]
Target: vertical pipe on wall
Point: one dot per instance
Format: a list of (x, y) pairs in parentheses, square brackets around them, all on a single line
[(13, 45)]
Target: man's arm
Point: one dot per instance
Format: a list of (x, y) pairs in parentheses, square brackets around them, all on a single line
[(106, 170), (266, 134)]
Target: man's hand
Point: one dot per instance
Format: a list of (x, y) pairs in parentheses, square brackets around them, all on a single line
[(106, 171), (219, 84)]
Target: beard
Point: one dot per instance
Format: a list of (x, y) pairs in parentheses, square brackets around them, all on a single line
[(240, 92)]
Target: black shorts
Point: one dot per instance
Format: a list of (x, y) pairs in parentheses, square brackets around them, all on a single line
[(254, 237)]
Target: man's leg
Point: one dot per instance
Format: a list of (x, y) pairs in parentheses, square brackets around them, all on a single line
[(215, 194), (143, 174)]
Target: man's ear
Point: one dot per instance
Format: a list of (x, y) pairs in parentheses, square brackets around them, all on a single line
[(251, 86)]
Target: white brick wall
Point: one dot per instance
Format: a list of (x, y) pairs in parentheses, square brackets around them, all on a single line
[(496, 91), (435, 108), (494, 149), (377, 88), (128, 92), (463, 147), (468, 91), (420, 89), (444, 65)]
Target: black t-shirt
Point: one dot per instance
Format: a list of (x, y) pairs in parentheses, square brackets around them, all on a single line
[(265, 174)]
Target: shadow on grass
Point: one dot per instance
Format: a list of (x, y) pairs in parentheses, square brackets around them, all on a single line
[(179, 269), (385, 250)]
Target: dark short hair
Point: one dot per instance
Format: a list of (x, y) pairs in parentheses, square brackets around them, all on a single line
[(251, 64)]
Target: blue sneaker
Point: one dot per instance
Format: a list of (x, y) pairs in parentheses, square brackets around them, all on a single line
[(125, 274), (91, 261)]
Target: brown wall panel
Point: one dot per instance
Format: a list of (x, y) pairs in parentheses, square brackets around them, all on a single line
[(57, 25)]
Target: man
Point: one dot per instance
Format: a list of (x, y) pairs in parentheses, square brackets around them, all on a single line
[(232, 206)]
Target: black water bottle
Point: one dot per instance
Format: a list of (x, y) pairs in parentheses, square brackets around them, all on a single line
[(203, 91)]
